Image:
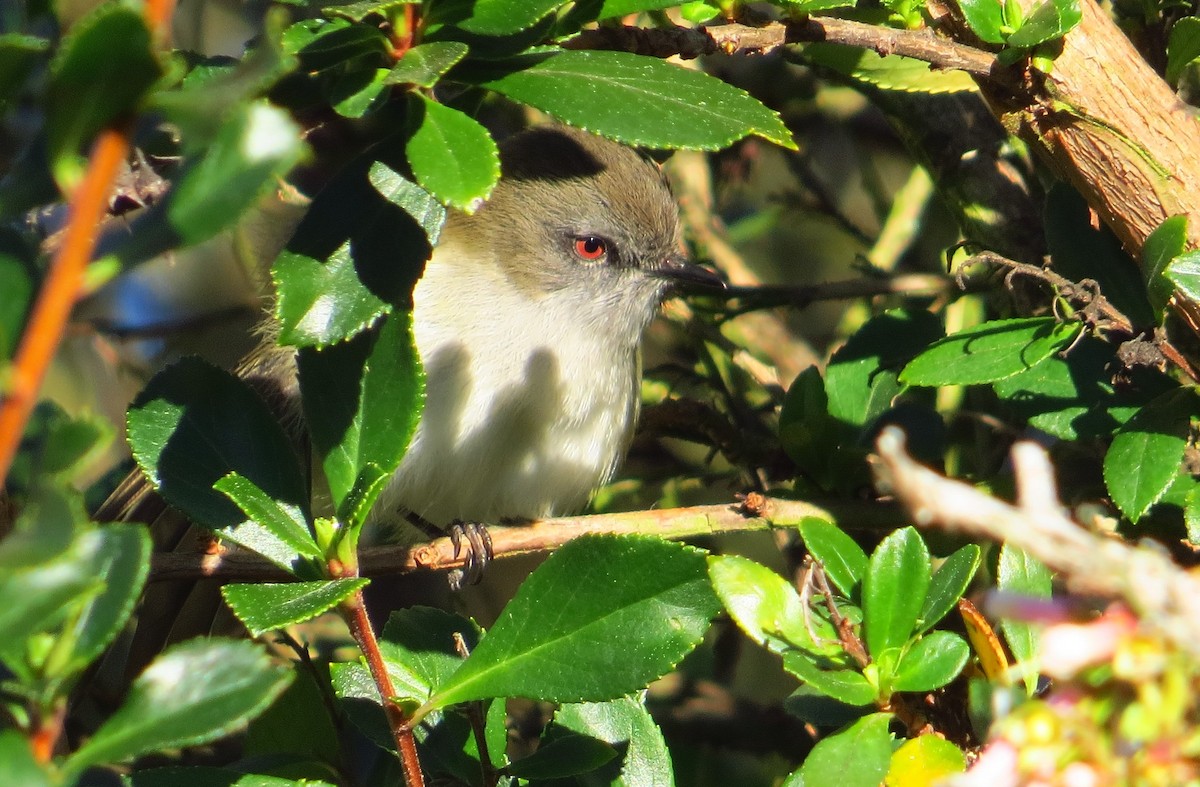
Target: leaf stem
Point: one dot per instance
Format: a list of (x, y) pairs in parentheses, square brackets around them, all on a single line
[(354, 611)]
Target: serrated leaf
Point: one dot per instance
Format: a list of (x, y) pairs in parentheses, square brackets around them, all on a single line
[(1183, 47), (452, 155), (931, 662), (613, 8), (193, 693), (352, 94), (989, 352), (637, 100), (563, 756), (103, 68), (1050, 20), (890, 72), (1167, 242), (947, 585), (1146, 453), (320, 304), (1021, 574), (205, 776), (362, 401), (1184, 273), (834, 679), (418, 647), (844, 560), (626, 724), (505, 17), (923, 761), (192, 425), (322, 45), (985, 18), (425, 64), (418, 203), (267, 606), (857, 756), (764, 605), (122, 559), (894, 590), (285, 539), (626, 609)]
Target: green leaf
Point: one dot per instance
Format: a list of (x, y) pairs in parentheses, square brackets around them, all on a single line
[(837, 680), (626, 609), (17, 279), (418, 648), (764, 605), (17, 763), (1146, 452), (1082, 251), (1183, 47), (358, 700), (505, 17), (894, 590), (562, 756), (353, 94), (322, 45), (362, 401), (989, 352), (104, 67), (18, 56), (122, 558), (319, 304), (861, 379), (268, 606), (1021, 574), (947, 585), (985, 18), (612, 8), (205, 776), (857, 756), (806, 431), (844, 560), (638, 100), (192, 425), (282, 528), (932, 662), (1184, 273), (1050, 20), (926, 759), (425, 64), (626, 724), (193, 693), (890, 72), (419, 204), (299, 723), (44, 529), (1167, 242), (452, 155)]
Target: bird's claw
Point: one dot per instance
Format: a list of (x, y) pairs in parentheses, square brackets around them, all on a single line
[(473, 541)]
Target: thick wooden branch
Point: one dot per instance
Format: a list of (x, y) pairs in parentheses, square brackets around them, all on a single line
[(757, 513)]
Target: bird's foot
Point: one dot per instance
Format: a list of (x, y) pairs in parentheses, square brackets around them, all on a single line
[(474, 543)]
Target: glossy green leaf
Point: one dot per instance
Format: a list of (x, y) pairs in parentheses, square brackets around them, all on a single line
[(358, 700), (626, 724), (192, 425), (453, 156), (638, 100), (857, 756), (122, 559), (16, 277), (1184, 273), (764, 605), (418, 647), (894, 590), (985, 18), (357, 12), (948, 584), (1049, 20), (283, 535), (931, 662), (1082, 251), (193, 693), (505, 17), (362, 401), (861, 378), (1183, 47), (1021, 574), (806, 431), (205, 776), (989, 352), (43, 530), (321, 303), (844, 560), (354, 94), (835, 679), (925, 760), (1146, 452), (627, 609), (419, 204), (425, 64), (268, 606), (17, 763), (326, 44), (18, 55), (889, 72), (299, 724), (613, 8), (103, 68), (563, 756), (1167, 242)]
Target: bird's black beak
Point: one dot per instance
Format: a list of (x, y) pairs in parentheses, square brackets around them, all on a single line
[(687, 276)]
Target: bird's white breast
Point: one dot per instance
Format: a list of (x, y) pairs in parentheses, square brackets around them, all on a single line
[(528, 407)]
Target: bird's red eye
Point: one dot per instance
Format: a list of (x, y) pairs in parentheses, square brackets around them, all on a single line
[(590, 248)]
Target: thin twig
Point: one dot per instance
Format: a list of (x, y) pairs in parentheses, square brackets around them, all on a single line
[(233, 565), (1166, 598), (915, 285)]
